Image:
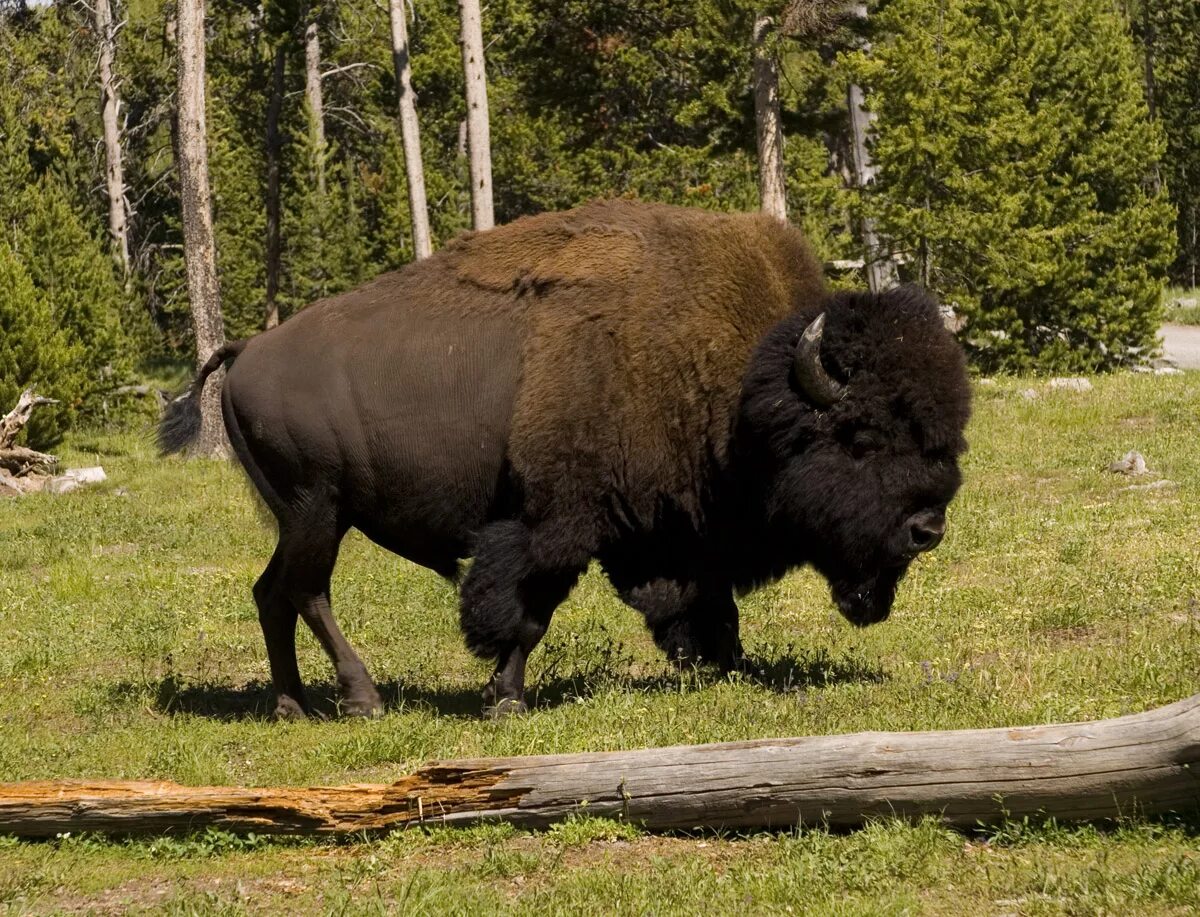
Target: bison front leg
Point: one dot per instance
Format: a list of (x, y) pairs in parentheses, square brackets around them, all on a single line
[(507, 603), (691, 621)]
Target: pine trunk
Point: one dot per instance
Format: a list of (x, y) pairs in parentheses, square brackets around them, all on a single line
[(274, 150), (114, 176), (314, 97), (881, 270), (772, 191), (410, 132), (479, 144), (199, 247)]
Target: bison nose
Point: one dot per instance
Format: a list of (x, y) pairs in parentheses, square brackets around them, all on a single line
[(925, 531)]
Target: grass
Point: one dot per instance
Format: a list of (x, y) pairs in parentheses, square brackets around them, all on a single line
[(1182, 314), (131, 649)]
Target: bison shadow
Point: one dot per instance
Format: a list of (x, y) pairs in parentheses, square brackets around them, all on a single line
[(786, 673)]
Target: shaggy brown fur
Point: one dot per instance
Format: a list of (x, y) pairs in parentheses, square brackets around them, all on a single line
[(641, 319)]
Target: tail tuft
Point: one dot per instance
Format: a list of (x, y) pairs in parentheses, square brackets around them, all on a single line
[(180, 424)]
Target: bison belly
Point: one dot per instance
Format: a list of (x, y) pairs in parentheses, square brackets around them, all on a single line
[(401, 417)]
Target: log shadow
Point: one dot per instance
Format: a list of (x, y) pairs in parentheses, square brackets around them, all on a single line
[(785, 673)]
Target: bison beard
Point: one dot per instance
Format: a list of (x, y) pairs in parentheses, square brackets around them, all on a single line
[(669, 391)]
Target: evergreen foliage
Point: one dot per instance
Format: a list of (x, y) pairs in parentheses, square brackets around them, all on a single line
[(35, 350), (1020, 176), (1169, 34), (1016, 162)]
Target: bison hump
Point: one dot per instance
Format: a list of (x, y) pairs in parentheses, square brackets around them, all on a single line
[(539, 252)]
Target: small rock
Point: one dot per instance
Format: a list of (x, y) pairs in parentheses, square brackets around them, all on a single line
[(1071, 384), (990, 383), (1153, 485), (74, 478), (93, 475), (1029, 394), (121, 492), (1132, 463)]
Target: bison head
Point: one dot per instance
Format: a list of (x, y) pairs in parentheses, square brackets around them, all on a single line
[(851, 426)]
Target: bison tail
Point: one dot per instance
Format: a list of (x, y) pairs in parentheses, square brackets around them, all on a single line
[(180, 424)]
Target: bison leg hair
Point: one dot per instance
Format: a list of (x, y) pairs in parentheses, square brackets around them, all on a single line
[(1143, 764), (691, 621), (507, 603)]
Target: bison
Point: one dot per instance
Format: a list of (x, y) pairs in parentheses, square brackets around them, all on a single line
[(669, 391)]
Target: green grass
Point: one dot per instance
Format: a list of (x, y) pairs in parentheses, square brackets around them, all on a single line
[(131, 649), (1182, 315)]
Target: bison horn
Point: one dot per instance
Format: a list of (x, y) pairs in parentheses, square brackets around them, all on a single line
[(821, 388)]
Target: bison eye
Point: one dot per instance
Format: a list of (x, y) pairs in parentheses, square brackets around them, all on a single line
[(864, 443)]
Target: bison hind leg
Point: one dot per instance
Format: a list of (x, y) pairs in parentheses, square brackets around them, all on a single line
[(507, 601)]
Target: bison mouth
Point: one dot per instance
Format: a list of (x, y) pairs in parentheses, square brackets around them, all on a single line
[(868, 601)]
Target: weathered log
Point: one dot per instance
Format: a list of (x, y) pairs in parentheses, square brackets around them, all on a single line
[(21, 462), (1143, 764)]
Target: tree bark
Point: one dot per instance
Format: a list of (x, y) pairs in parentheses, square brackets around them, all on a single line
[(479, 144), (199, 247), (274, 152), (1144, 763), (118, 221), (881, 270), (313, 95), (772, 192), (410, 132)]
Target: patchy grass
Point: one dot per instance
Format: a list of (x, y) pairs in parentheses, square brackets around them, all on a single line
[(131, 648), (1182, 305)]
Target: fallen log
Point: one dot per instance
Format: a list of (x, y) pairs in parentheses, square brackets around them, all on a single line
[(1142, 764)]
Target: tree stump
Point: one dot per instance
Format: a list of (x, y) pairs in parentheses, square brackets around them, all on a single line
[(18, 461)]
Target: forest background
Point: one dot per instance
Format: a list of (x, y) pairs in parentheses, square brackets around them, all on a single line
[(1037, 162)]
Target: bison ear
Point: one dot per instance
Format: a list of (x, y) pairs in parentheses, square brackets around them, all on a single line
[(810, 376)]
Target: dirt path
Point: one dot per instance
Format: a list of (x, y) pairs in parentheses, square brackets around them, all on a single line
[(1181, 343)]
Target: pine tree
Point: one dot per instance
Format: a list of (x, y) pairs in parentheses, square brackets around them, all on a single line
[(75, 277), (1169, 34), (35, 351), (1016, 164)]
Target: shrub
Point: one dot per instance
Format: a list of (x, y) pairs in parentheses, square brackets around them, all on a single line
[(1016, 160)]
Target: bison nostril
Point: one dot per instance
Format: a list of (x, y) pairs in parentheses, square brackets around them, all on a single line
[(925, 531)]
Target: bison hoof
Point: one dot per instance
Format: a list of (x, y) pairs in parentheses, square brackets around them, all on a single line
[(504, 708), (287, 708), (370, 706)]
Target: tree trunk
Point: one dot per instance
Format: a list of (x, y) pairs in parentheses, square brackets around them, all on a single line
[(479, 144), (772, 193), (314, 97), (118, 221), (1144, 763), (199, 247), (274, 151), (881, 270), (410, 132)]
